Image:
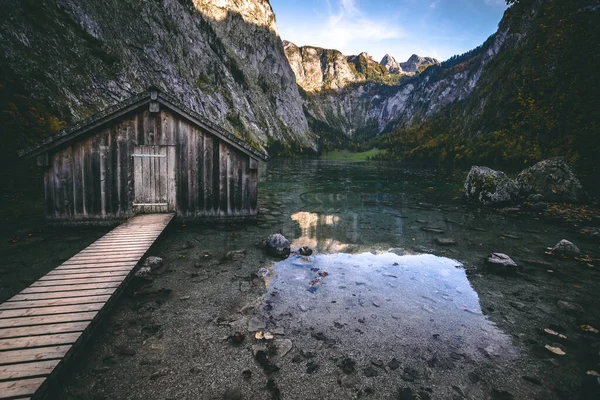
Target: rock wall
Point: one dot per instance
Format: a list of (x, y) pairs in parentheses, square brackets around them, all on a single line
[(222, 58)]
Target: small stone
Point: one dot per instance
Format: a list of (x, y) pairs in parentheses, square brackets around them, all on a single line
[(501, 263), (283, 346), (160, 373), (394, 364), (571, 307), (256, 324), (432, 229), (184, 298), (236, 255), (303, 308), (445, 241), (305, 251), (257, 348), (348, 365), (279, 331), (311, 367), (370, 372), (348, 381), (396, 316), (565, 248), (377, 363), (247, 374)]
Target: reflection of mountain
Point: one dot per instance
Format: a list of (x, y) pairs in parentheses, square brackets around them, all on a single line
[(317, 232)]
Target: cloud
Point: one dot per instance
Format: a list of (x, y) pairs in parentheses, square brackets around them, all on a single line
[(349, 6), (345, 24)]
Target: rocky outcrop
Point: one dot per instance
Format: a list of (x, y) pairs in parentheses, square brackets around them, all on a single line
[(370, 107), (221, 58), (390, 63), (415, 63), (318, 69), (489, 187), (551, 180)]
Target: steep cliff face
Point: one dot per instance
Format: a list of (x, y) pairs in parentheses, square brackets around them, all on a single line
[(318, 69), (222, 58), (369, 108)]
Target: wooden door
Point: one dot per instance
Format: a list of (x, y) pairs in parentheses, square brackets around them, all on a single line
[(154, 179)]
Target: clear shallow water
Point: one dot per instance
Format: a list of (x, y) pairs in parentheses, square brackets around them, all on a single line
[(355, 207), (361, 219), (382, 303)]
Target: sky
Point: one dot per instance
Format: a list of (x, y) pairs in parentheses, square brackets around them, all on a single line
[(433, 28)]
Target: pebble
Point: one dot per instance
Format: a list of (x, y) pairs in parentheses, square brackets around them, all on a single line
[(236, 255), (571, 307), (370, 372), (348, 381), (445, 241), (283, 346), (256, 324), (160, 373), (311, 367), (394, 364)]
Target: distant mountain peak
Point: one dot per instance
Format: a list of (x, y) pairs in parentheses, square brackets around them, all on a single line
[(390, 63), (416, 61)]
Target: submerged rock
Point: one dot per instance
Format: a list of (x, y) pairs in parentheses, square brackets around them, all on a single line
[(278, 245), (305, 251), (501, 263), (150, 265), (566, 249), (489, 187), (551, 180)]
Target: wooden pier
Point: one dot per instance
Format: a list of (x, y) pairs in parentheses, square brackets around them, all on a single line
[(41, 326)]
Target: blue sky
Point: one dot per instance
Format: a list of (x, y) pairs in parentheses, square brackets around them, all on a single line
[(435, 28)]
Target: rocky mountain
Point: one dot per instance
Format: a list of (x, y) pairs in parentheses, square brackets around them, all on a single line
[(371, 106), (416, 63), (391, 64), (222, 58), (319, 69)]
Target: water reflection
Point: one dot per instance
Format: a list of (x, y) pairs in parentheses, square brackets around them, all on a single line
[(384, 302), (316, 231)]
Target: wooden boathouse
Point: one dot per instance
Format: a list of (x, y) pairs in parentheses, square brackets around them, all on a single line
[(147, 154)]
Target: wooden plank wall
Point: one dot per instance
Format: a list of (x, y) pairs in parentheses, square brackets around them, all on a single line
[(94, 177)]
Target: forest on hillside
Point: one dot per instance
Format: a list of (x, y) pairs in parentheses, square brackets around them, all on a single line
[(537, 100)]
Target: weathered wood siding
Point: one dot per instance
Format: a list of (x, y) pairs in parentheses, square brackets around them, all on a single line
[(94, 177)]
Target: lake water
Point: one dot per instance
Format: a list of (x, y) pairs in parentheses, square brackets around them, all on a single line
[(381, 283)]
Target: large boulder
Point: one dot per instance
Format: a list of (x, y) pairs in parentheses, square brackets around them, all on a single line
[(278, 245), (489, 187), (553, 180)]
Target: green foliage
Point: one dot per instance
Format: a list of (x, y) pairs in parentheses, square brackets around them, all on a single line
[(537, 99)]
